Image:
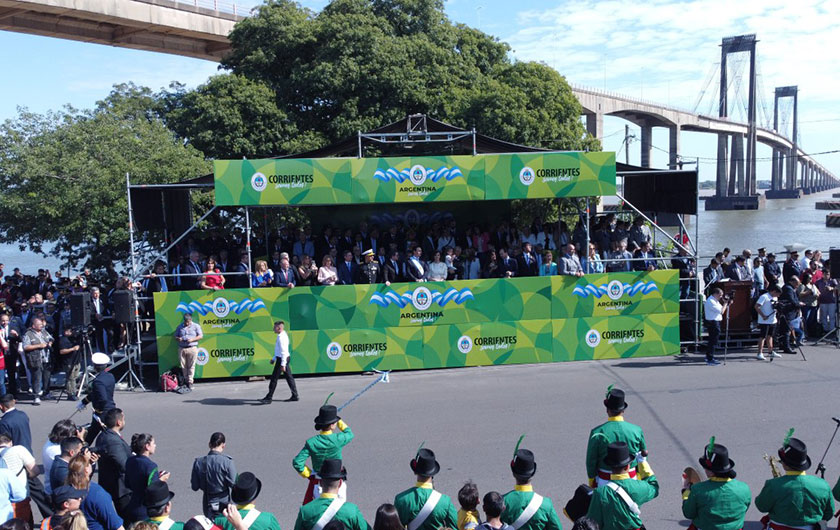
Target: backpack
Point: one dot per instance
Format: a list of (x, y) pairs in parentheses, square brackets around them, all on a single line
[(168, 382)]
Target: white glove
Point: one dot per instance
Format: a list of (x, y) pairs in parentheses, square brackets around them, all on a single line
[(640, 458), (81, 405)]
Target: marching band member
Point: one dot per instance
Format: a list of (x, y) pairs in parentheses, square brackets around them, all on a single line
[(615, 429), (525, 509), (795, 500), (721, 502), (422, 507), (615, 504)]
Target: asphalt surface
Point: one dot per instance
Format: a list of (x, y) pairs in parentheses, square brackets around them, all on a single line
[(472, 418)]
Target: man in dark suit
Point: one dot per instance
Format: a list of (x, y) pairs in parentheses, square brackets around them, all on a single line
[(346, 270), (15, 423), (712, 273), (223, 263), (98, 314), (391, 270), (323, 245), (195, 268), (392, 236), (100, 395), (113, 453), (346, 241), (242, 281), (284, 276), (415, 267), (507, 265), (429, 245), (526, 264)]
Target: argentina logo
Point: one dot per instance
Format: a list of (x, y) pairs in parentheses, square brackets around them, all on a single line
[(615, 289), (593, 338), (465, 344), (417, 174), (221, 307), (259, 182), (202, 357), (421, 299), (334, 351)]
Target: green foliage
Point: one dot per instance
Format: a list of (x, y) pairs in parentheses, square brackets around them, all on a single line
[(359, 64), (63, 174)]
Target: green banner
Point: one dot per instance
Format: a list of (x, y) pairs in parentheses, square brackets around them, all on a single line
[(329, 181), (583, 339), (427, 325), (545, 175), (283, 181), (618, 293), (418, 179)]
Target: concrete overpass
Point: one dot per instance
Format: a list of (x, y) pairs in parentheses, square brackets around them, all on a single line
[(193, 28), (787, 179)]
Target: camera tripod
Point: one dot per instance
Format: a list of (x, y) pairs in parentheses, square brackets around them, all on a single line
[(835, 331), (84, 362)]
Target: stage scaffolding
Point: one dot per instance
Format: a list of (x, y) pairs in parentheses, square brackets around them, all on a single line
[(417, 133)]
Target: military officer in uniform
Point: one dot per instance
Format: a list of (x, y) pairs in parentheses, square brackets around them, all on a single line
[(796, 499), (244, 493), (524, 508), (333, 435), (615, 429), (100, 394), (422, 507), (329, 507), (369, 271), (721, 502), (615, 504)]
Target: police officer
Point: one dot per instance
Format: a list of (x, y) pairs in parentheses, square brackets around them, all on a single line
[(369, 271), (100, 394), (214, 474), (721, 501), (795, 500), (614, 430)]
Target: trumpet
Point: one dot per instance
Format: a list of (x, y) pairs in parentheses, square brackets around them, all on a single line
[(772, 460)]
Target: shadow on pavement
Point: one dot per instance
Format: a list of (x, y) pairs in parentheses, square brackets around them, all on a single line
[(224, 401)]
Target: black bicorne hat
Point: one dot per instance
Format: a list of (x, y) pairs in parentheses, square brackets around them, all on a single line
[(157, 494), (246, 488), (717, 459), (327, 415), (794, 454), (615, 399), (331, 468), (523, 463)]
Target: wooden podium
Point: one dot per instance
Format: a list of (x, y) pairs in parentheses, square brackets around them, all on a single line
[(740, 309)]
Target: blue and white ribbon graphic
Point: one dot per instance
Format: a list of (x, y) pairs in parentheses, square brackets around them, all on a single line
[(441, 299), (629, 290), (235, 307), (431, 174)]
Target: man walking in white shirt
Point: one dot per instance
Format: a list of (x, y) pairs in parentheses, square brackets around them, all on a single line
[(281, 352)]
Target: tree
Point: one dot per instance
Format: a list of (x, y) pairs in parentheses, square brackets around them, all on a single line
[(359, 64), (63, 174)]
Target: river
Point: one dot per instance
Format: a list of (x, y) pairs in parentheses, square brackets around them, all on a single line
[(781, 222)]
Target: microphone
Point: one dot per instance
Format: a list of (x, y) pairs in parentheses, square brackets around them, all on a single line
[(837, 421)]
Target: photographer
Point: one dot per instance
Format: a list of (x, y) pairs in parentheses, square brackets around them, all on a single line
[(765, 306), (790, 305), (713, 311), (68, 359), (36, 347)]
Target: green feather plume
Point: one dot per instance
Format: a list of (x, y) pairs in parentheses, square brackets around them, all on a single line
[(787, 438), (710, 449), (609, 389), (517, 444), (328, 398), (417, 454)]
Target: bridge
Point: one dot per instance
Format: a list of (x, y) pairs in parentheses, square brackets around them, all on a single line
[(193, 28)]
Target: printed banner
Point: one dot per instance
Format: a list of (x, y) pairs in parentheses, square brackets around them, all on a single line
[(418, 179), (546, 175), (582, 339), (283, 181), (426, 325), (329, 181), (618, 293)]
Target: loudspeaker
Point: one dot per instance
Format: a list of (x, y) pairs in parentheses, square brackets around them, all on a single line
[(123, 306), (834, 262), (80, 309)]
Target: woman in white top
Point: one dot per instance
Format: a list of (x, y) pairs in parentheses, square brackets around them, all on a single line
[(437, 269), (327, 274)]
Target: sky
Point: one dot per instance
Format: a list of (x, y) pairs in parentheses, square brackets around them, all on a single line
[(658, 50)]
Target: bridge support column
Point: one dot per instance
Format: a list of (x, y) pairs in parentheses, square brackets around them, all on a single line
[(722, 181), (774, 172), (737, 166), (791, 170), (673, 146), (647, 143), (595, 125)]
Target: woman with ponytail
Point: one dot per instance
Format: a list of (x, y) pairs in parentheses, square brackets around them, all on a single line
[(140, 471)]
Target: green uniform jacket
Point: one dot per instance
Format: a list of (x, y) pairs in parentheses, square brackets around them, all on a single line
[(175, 526), (717, 504), (796, 500), (265, 521), (349, 514), (612, 513), (614, 430), (546, 517), (321, 447), (411, 501), (836, 490)]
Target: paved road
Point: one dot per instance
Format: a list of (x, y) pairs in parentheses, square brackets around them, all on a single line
[(472, 417)]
